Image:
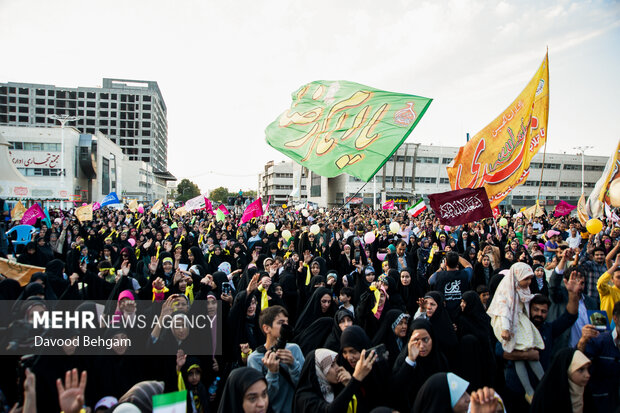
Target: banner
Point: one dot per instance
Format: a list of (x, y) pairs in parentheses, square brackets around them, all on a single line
[(84, 213), (155, 208), (180, 211), (208, 206), (31, 215), (600, 195), (461, 206), (18, 211), (498, 157), (388, 205), (254, 210), (18, 272), (335, 127), (133, 205), (267, 207), (197, 202), (581, 210), (563, 208), (110, 199), (534, 211)]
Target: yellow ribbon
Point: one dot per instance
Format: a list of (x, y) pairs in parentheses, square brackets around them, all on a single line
[(308, 274), (352, 405), (139, 222), (180, 381), (264, 300), (432, 254), (157, 253), (156, 291), (189, 293), (200, 239), (377, 294)]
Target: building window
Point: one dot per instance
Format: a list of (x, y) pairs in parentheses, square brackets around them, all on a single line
[(544, 183), (599, 168), (444, 180), (315, 185), (425, 180), (571, 167), (105, 175), (446, 161), (388, 179), (427, 159)]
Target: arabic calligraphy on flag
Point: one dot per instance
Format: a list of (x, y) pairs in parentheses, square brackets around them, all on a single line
[(498, 157), (461, 206), (335, 127)]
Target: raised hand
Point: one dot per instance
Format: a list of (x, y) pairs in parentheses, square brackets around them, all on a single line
[(181, 358), (364, 365), (71, 394)]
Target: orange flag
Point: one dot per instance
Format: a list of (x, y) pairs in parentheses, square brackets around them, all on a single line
[(498, 157)]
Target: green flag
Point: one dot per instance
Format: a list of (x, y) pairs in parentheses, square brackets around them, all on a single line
[(336, 127), (219, 215)]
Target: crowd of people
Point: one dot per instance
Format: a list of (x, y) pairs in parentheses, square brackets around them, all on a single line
[(328, 311)]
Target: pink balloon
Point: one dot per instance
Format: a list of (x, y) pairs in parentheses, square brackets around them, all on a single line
[(84, 204), (141, 210), (132, 242), (381, 257), (446, 228), (369, 237)]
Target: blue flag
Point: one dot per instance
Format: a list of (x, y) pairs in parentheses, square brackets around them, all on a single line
[(109, 199)]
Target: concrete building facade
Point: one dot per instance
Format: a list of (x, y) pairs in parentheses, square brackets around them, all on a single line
[(90, 167), (281, 180), (132, 113), (416, 171)]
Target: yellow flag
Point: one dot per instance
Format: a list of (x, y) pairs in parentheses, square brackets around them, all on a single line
[(581, 210), (180, 211), (157, 206), (18, 272), (18, 211), (84, 213), (533, 211), (498, 157), (133, 205)]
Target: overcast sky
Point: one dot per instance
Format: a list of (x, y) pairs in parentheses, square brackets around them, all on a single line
[(227, 68)]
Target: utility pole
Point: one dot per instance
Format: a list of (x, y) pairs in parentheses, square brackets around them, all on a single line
[(582, 149), (63, 119)]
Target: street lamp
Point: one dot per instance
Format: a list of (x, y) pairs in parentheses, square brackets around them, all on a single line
[(62, 119), (582, 149)]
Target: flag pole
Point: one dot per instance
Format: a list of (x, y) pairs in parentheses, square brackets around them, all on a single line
[(542, 170)]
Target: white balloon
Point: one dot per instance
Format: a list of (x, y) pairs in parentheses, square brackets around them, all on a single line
[(394, 227), (270, 228), (305, 212), (321, 210), (314, 228), (286, 234)]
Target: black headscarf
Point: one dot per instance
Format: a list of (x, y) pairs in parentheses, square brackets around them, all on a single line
[(9, 289), (141, 395), (333, 340), (442, 326), (312, 311), (434, 362), (239, 381), (55, 277), (434, 396), (412, 292), (386, 336), (553, 393)]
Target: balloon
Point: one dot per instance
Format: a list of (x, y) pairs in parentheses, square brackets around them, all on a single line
[(446, 228), (594, 226), (614, 193), (321, 210), (394, 227), (369, 237), (84, 204), (314, 229), (286, 234), (140, 209), (503, 222), (131, 242), (381, 256), (270, 228), (170, 204), (305, 212)]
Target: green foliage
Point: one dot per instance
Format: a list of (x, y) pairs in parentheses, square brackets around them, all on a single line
[(186, 189), (219, 195)]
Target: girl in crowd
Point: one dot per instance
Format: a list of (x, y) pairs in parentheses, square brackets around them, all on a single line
[(245, 392)]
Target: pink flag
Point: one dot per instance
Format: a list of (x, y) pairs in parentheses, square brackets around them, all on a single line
[(96, 206), (254, 210), (388, 205), (268, 202), (209, 206), (31, 215), (223, 209), (563, 208)]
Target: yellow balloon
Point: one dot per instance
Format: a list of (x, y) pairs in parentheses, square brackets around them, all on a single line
[(594, 226), (614, 193)]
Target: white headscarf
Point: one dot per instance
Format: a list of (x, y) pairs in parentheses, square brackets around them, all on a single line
[(323, 359), (508, 294)]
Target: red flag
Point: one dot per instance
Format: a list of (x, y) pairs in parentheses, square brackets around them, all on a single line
[(254, 210), (461, 206), (223, 209), (563, 208), (388, 205), (31, 215), (209, 206), (496, 212)]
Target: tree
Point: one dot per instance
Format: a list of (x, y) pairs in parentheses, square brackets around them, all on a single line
[(219, 195), (186, 189), (249, 194)]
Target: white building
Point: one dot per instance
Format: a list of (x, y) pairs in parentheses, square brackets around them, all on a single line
[(141, 182), (416, 171), (91, 164), (279, 180)]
